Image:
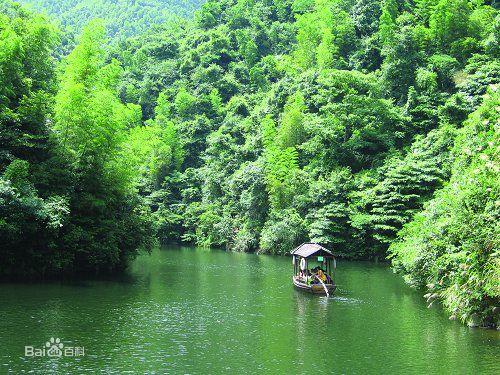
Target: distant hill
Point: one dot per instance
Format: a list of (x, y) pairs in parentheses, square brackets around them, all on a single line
[(124, 17)]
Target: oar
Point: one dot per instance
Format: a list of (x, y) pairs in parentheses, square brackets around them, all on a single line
[(324, 286)]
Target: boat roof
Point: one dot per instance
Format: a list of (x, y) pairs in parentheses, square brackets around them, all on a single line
[(309, 249)]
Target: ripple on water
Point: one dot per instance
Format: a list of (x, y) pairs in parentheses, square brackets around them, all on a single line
[(189, 311), (347, 300)]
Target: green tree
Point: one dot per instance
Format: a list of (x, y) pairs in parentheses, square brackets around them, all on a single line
[(281, 163), (449, 23), (387, 23), (451, 247)]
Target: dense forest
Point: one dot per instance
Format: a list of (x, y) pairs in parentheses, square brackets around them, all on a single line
[(123, 18), (369, 126)]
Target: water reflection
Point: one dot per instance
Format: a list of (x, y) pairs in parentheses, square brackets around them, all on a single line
[(201, 311)]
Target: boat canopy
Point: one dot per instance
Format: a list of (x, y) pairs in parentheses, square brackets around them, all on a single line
[(307, 250)]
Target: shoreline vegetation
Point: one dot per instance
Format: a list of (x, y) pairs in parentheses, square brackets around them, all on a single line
[(368, 126)]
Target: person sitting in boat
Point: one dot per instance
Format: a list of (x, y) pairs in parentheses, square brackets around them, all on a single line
[(313, 275), (304, 275), (308, 277), (328, 279), (321, 275)]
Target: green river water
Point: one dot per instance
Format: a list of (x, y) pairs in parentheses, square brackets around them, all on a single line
[(196, 311)]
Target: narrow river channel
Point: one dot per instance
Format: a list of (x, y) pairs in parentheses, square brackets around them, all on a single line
[(187, 310)]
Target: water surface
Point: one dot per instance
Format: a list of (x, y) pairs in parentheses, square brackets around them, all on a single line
[(205, 311)]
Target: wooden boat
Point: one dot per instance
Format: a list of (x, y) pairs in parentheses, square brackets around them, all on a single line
[(303, 279), (314, 288)]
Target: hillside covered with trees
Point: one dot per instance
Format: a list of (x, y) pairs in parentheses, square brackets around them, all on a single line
[(369, 126), (123, 18)]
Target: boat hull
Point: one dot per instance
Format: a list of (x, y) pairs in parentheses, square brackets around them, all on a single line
[(313, 288)]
